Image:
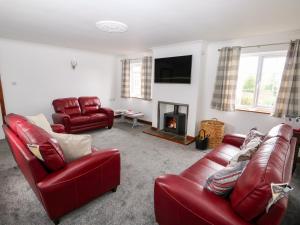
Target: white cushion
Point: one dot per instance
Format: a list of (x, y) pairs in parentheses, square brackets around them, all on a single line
[(73, 146), (41, 121), (35, 149), (247, 151)]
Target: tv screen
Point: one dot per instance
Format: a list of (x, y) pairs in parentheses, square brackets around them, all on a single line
[(173, 70)]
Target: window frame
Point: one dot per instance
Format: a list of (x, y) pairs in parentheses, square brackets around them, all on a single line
[(135, 61), (255, 107)]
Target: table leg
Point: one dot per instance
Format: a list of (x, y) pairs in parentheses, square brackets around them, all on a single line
[(135, 122), (122, 118)]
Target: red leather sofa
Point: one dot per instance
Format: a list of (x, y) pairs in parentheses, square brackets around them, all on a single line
[(181, 199), (71, 184), (80, 114)]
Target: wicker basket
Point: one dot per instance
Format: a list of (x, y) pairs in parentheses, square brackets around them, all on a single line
[(215, 129)]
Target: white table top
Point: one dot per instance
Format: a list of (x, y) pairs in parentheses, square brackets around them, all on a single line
[(128, 113)]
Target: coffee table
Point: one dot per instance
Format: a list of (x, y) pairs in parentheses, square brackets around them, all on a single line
[(130, 114)]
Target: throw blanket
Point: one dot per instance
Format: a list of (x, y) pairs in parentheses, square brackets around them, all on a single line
[(279, 191)]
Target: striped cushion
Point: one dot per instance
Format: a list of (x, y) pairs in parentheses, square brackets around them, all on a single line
[(253, 133), (222, 182)]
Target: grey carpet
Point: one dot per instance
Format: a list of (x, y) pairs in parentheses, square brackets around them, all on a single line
[(143, 158)]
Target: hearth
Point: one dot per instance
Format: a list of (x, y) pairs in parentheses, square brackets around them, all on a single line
[(175, 121)]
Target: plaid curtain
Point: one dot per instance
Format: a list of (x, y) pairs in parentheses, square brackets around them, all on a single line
[(125, 84), (146, 77), (288, 99), (226, 80)]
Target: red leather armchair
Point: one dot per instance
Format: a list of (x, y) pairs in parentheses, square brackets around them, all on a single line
[(81, 114), (181, 199), (69, 187)]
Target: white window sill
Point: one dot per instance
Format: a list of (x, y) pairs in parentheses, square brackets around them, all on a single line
[(254, 110)]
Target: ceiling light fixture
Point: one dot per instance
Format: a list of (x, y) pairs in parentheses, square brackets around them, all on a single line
[(111, 26)]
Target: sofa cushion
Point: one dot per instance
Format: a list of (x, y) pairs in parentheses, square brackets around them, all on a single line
[(41, 121), (98, 117), (223, 154), (78, 120), (201, 170), (222, 182), (74, 146), (247, 150), (89, 104), (68, 106), (253, 191), (253, 133), (48, 147)]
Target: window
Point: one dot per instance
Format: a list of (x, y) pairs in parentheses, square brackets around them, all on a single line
[(259, 80), (135, 78)]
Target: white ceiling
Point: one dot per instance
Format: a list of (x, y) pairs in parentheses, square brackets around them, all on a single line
[(71, 23)]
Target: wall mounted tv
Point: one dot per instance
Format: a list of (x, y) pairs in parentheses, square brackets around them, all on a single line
[(173, 70)]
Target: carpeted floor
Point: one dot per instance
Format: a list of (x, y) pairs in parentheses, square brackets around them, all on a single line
[(143, 158)]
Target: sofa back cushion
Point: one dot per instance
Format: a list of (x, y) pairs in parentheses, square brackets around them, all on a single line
[(68, 106), (13, 119), (89, 105), (282, 130), (268, 165), (49, 149)]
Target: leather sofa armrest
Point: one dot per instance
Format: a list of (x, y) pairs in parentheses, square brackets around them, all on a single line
[(107, 111), (60, 118), (75, 169), (174, 193), (58, 128), (110, 114), (234, 139)]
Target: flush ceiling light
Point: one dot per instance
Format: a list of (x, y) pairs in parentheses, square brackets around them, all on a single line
[(112, 26)]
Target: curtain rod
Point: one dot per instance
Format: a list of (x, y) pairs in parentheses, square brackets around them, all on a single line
[(258, 46), (137, 58)]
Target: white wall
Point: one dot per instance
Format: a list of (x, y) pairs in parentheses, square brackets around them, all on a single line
[(238, 121), (198, 94), (181, 93), (33, 75)]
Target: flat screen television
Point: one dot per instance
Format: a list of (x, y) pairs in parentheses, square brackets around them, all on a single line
[(173, 69)]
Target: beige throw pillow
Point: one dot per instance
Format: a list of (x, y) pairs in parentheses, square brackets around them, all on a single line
[(73, 146), (41, 121)]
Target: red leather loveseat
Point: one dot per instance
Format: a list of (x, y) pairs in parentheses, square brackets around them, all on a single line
[(181, 199), (63, 186), (80, 114)]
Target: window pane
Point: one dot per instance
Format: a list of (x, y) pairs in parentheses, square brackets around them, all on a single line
[(270, 80), (135, 79), (247, 80)]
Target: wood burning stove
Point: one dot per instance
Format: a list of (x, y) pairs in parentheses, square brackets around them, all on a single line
[(175, 121)]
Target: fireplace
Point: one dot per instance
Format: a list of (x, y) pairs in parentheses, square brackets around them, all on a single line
[(175, 121)]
